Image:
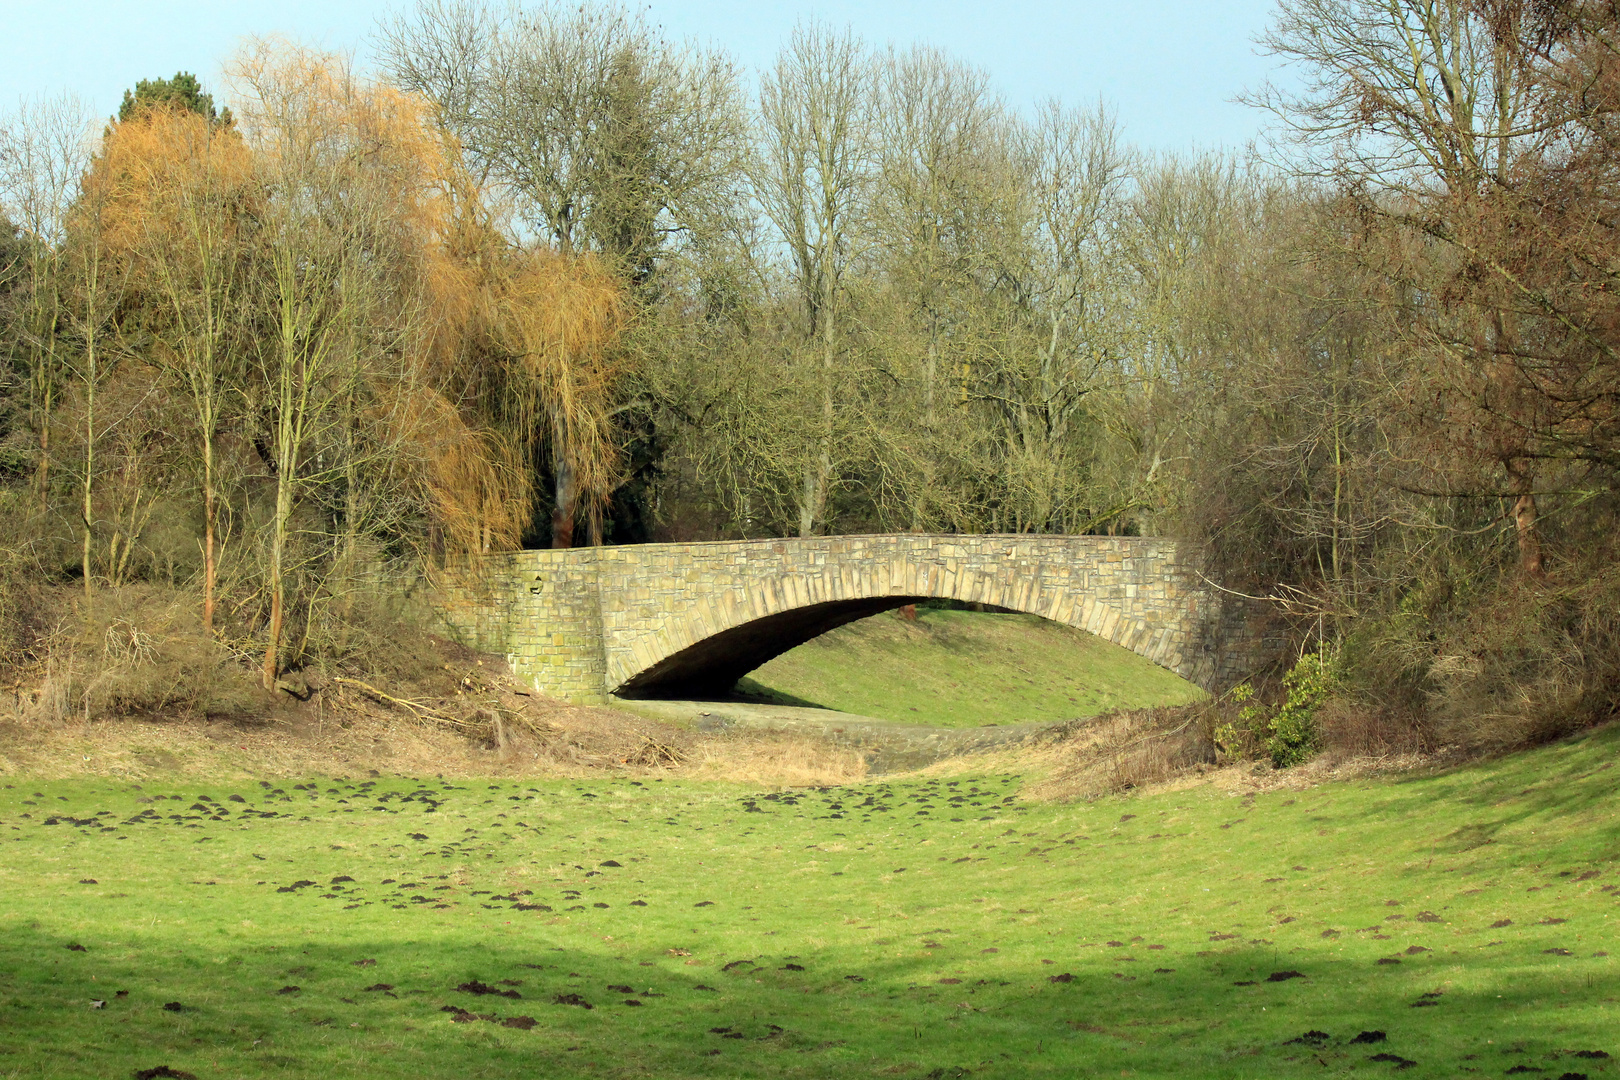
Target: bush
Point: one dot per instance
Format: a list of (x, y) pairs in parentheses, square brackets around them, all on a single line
[(1118, 751), (140, 651), (1287, 732), (1530, 662), (24, 603), (1352, 726)]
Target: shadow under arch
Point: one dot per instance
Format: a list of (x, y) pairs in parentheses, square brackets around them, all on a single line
[(710, 668)]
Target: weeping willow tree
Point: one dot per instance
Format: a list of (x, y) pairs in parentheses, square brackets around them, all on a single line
[(556, 318), (369, 269)]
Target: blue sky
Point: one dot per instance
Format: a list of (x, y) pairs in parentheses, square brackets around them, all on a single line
[(1169, 68)]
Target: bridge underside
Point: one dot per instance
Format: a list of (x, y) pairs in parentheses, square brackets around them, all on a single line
[(709, 669)]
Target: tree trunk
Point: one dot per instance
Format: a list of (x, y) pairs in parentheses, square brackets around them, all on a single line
[(930, 423), (278, 551), (42, 474), (272, 666), (1524, 524), (807, 502), (87, 509), (210, 571), (562, 510), (346, 573), (44, 387), (819, 474), (566, 500), (292, 387)]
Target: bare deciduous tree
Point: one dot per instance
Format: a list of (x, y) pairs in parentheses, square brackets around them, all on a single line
[(186, 184), (44, 152), (812, 174), (604, 136), (944, 218), (1414, 106)]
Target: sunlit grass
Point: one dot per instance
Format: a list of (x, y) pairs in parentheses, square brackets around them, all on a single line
[(966, 669), (917, 928)]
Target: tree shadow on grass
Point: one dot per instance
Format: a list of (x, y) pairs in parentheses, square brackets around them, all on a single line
[(1567, 781), (438, 1002)]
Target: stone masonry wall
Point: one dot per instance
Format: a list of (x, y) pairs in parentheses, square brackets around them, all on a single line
[(578, 623)]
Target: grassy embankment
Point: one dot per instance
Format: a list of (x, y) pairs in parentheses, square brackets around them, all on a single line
[(965, 669), (932, 927)]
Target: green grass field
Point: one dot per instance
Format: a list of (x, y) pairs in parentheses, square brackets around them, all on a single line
[(930, 927), (965, 669)]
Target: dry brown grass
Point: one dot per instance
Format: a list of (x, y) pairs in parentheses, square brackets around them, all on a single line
[(1353, 731), (489, 729), (1123, 750), (1156, 750), (1053, 777), (135, 650), (137, 690), (583, 741), (774, 759), (423, 705), (1143, 752), (1104, 755)]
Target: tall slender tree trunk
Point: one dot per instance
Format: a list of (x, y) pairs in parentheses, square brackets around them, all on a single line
[(566, 501), (292, 391), (92, 377), (919, 505), (204, 391), (930, 374), (818, 475), (829, 360), (87, 507), (346, 575), (42, 471), (807, 502), (278, 555), (44, 386), (210, 570)]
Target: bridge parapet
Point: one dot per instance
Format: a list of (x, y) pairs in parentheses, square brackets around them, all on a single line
[(688, 619)]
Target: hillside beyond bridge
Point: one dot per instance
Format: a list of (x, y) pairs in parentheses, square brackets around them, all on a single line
[(689, 620)]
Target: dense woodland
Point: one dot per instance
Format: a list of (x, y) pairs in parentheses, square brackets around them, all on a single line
[(541, 276)]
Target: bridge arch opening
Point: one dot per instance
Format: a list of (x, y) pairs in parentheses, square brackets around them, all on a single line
[(937, 665), (709, 669)]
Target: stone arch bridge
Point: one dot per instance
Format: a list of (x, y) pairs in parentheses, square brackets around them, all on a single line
[(689, 620)]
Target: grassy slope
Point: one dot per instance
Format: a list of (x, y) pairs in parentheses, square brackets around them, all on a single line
[(963, 669), (904, 929)]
